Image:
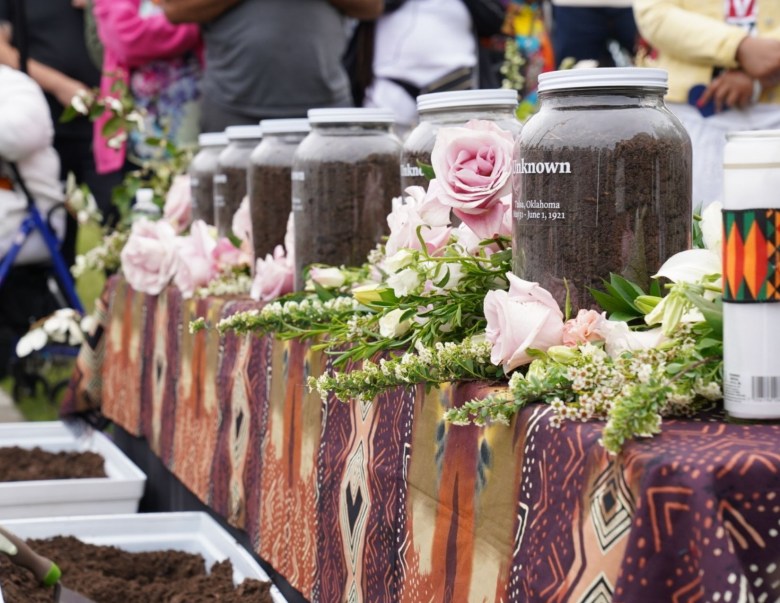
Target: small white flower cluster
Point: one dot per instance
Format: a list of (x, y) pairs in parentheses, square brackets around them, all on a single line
[(444, 362), (103, 258), (274, 316), (227, 284), (65, 326)]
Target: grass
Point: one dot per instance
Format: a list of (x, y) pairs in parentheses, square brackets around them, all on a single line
[(40, 401)]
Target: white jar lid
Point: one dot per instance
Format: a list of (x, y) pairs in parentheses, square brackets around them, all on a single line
[(360, 115), (604, 77), (497, 97), (748, 134), (285, 126), (212, 139), (243, 132)]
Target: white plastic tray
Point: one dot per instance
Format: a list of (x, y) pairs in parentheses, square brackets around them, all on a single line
[(119, 492), (192, 532)]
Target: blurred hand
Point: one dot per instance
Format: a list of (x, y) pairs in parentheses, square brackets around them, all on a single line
[(759, 57), (6, 32), (82, 4), (729, 90), (66, 88)]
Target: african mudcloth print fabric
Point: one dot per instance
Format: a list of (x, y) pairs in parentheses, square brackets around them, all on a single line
[(385, 502)]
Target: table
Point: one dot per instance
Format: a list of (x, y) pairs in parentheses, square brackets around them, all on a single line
[(386, 502)]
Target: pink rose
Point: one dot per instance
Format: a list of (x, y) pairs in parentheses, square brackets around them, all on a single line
[(585, 327), (178, 204), (419, 209), (525, 317), (149, 257), (225, 255), (472, 166), (289, 239), (242, 222), (196, 266), (273, 276), (470, 240)]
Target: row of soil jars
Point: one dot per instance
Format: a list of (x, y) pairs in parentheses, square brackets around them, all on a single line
[(345, 175), (455, 108), (202, 170), (601, 182), (230, 181), (269, 181)]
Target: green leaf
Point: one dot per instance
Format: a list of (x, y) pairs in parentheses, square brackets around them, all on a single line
[(655, 288), (112, 126), (711, 310), (426, 169), (628, 290), (610, 303), (68, 114)]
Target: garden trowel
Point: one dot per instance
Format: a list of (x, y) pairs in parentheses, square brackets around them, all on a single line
[(44, 569)]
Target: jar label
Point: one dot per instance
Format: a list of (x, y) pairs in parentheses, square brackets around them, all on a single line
[(538, 211), (219, 201), (739, 387), (411, 171), (297, 205), (220, 178), (297, 176), (751, 255)]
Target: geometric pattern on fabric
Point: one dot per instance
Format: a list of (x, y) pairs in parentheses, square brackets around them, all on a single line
[(599, 592), (432, 511), (611, 506), (751, 255)]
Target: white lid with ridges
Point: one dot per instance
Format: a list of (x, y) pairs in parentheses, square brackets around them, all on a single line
[(496, 97), (356, 115), (604, 77), (285, 126), (243, 132), (212, 139)]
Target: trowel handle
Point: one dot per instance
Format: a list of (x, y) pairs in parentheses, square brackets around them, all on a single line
[(44, 569)]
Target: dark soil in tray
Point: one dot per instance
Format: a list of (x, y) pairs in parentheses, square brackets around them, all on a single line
[(22, 464), (111, 575)]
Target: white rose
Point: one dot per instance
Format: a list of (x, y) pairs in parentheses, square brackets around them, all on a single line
[(712, 226), (404, 282), (390, 324), (400, 259), (329, 278)]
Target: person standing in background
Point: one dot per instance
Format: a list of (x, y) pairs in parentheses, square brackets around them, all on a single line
[(271, 58), (60, 64), (593, 30), (723, 59), (159, 62)]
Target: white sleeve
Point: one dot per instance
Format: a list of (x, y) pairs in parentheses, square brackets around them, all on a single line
[(25, 121)]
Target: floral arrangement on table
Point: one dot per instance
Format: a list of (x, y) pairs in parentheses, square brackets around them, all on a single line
[(438, 303)]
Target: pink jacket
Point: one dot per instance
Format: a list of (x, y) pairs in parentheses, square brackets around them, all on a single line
[(130, 41)]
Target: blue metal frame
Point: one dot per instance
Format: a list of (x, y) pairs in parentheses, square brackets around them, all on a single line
[(34, 221)]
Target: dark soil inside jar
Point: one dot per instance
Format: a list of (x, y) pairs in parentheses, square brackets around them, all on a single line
[(23, 464), (624, 208), (269, 199), (202, 196), (343, 230), (110, 575), (227, 197)]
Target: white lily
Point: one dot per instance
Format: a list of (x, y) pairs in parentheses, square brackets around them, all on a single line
[(390, 325), (30, 342)]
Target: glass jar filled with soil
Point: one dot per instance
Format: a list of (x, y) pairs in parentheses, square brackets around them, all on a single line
[(344, 178), (230, 181), (454, 108), (270, 187), (202, 169), (601, 182)]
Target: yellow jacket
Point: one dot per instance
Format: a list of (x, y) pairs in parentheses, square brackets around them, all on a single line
[(692, 37)]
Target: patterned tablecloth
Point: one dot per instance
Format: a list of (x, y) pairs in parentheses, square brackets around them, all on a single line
[(386, 502)]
